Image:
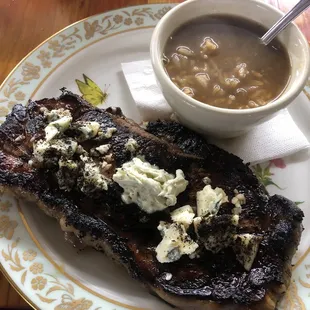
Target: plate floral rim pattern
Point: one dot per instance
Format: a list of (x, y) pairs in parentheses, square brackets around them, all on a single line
[(42, 283)]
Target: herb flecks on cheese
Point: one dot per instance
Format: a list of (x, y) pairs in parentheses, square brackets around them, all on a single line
[(175, 243), (209, 200), (235, 219), (246, 248), (63, 147), (54, 115), (216, 232), (67, 174), (151, 188), (131, 145), (92, 178), (108, 133), (183, 215), (76, 169), (57, 127), (86, 130)]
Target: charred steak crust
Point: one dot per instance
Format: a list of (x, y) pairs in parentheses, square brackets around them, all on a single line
[(130, 235)]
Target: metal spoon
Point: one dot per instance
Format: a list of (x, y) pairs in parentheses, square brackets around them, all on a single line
[(284, 21)]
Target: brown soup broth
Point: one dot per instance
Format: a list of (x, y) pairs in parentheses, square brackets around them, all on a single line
[(219, 60)]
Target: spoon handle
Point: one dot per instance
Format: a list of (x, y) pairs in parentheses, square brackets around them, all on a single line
[(284, 21)]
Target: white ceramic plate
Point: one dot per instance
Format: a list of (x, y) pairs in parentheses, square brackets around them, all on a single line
[(47, 271)]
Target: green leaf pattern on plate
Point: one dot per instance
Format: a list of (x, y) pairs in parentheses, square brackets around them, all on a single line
[(264, 174), (299, 202)]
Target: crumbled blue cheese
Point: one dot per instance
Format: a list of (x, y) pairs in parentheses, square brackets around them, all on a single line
[(211, 244), (50, 132), (87, 130), (238, 201), (151, 188), (175, 243), (67, 174), (92, 179), (103, 149), (209, 200), (173, 186), (183, 215), (246, 248), (131, 145), (54, 115), (235, 219), (206, 180), (217, 242), (216, 233), (67, 163), (80, 150), (65, 147), (56, 127), (196, 222), (108, 134)]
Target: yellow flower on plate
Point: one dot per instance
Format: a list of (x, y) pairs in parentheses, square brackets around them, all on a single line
[(38, 283), (36, 268), (29, 255)]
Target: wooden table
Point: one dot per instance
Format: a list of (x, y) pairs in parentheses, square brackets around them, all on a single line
[(26, 23)]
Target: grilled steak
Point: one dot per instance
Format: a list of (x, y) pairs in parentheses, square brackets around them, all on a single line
[(99, 216)]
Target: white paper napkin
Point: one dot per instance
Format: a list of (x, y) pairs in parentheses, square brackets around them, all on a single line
[(276, 138)]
